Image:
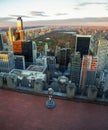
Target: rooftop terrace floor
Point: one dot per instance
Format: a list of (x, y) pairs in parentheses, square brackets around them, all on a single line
[(19, 111)]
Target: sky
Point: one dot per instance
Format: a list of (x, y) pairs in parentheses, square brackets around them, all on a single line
[(34, 10)]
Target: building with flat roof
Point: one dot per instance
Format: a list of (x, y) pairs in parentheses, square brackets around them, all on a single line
[(37, 68), (75, 68), (25, 48), (28, 79), (51, 63), (83, 44), (63, 58), (29, 74), (1, 42), (102, 54), (6, 61), (19, 62), (88, 71)]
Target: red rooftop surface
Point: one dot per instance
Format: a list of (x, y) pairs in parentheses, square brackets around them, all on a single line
[(19, 111)]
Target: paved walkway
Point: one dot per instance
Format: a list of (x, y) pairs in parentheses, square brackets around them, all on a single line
[(19, 111)]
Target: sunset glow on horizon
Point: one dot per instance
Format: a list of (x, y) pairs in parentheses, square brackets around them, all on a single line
[(34, 10)]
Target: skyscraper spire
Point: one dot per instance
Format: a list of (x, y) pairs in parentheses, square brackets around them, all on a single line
[(20, 28), (19, 24)]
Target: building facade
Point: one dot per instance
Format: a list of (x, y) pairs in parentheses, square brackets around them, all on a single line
[(63, 56), (102, 54), (88, 71), (19, 24), (75, 68), (1, 42), (83, 44), (6, 61), (19, 62)]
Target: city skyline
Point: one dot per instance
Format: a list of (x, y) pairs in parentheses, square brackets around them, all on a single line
[(46, 10)]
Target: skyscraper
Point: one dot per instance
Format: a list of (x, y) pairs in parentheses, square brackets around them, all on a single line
[(19, 35), (51, 63), (102, 54), (20, 28), (27, 51), (10, 35), (82, 44), (19, 24), (88, 71), (17, 47), (75, 68), (22, 37), (24, 49), (34, 49), (6, 61), (19, 62), (46, 49), (63, 56), (1, 42)]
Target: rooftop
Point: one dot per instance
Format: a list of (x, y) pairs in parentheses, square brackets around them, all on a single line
[(19, 111), (36, 68), (28, 74)]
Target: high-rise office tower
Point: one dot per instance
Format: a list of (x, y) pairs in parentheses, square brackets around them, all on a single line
[(23, 48), (19, 24), (22, 37), (88, 71), (20, 29), (63, 56), (75, 68), (83, 44), (19, 62), (102, 54), (51, 63), (10, 39), (17, 47), (6, 61), (34, 49), (1, 42), (106, 83), (17, 35), (10, 35), (46, 49), (27, 51)]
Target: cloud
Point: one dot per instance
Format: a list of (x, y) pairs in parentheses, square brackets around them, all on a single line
[(24, 16), (76, 8), (90, 19), (106, 7), (92, 3), (78, 20), (100, 21), (80, 5), (95, 21), (38, 13), (6, 19), (60, 14)]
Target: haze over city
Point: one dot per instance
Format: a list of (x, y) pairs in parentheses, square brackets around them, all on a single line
[(80, 12)]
